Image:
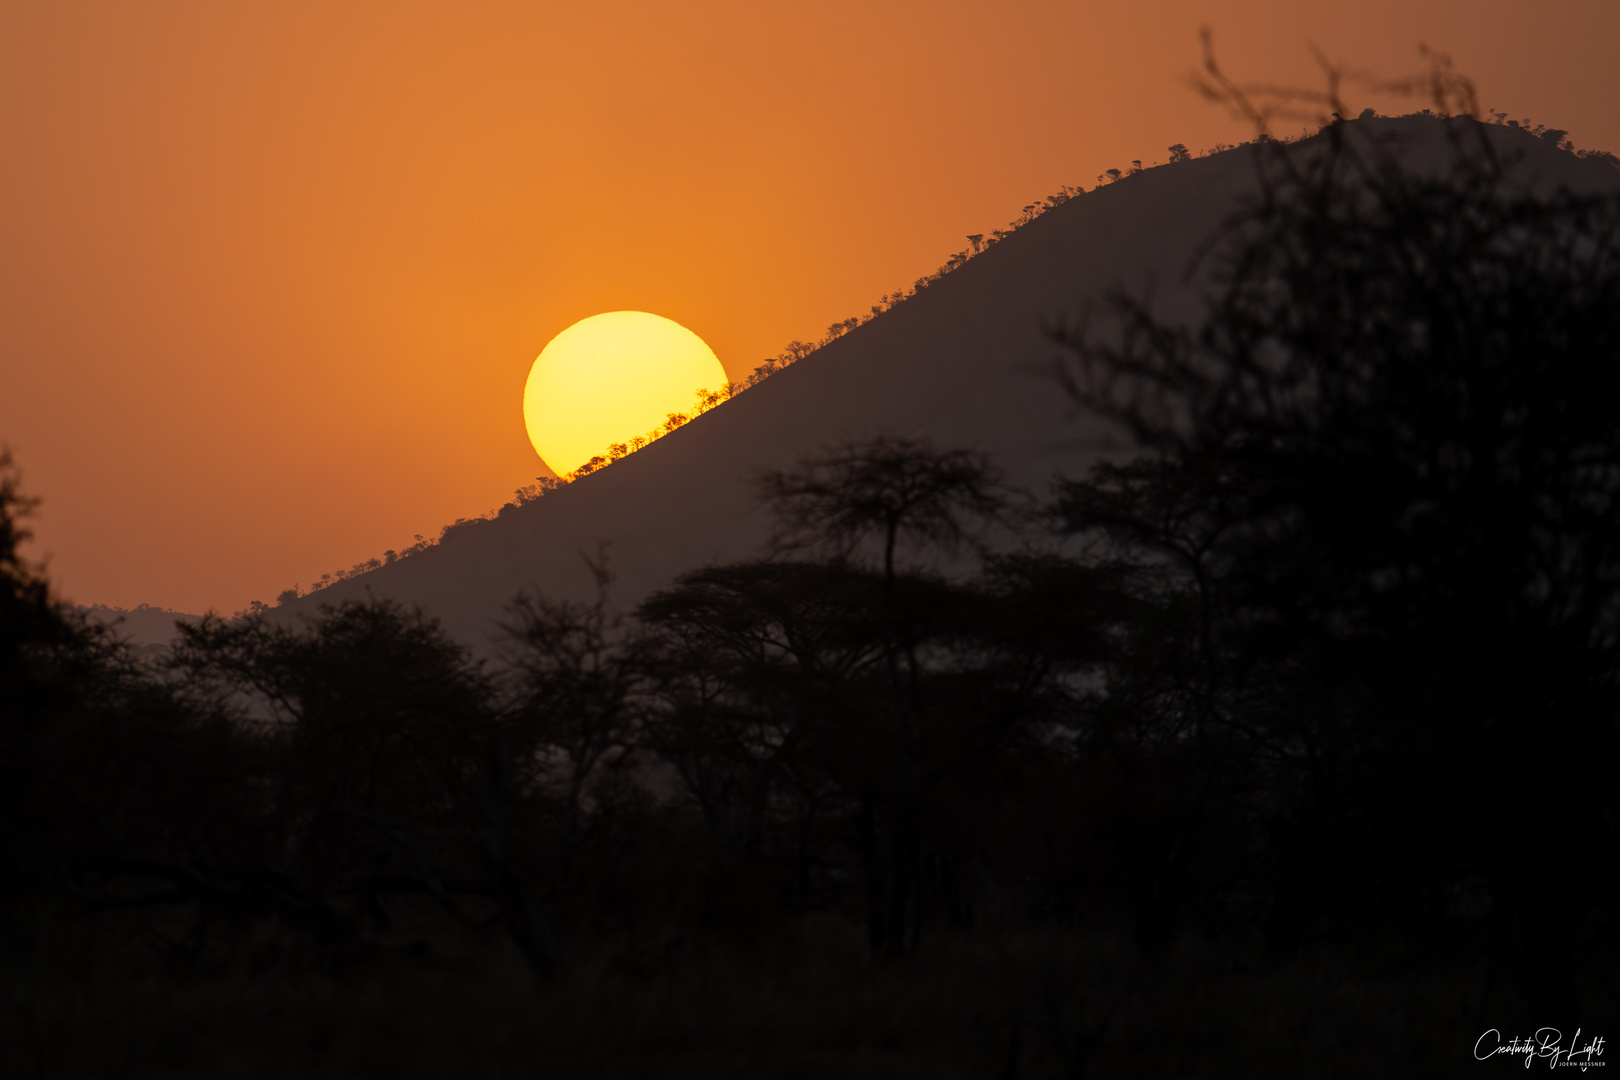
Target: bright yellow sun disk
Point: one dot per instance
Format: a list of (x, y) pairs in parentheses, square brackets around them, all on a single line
[(609, 378)]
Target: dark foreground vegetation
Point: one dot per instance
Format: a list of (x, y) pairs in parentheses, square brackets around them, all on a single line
[(1285, 748)]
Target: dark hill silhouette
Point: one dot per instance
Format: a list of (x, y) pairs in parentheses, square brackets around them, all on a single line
[(963, 363)]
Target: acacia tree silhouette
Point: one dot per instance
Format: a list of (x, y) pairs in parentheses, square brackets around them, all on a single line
[(770, 703), (885, 489), (574, 679), (1387, 466), (375, 724), (889, 487)]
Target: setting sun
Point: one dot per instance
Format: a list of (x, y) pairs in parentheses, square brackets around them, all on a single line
[(610, 378)]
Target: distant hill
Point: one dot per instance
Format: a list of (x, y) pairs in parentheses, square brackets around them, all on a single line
[(145, 625), (962, 364)]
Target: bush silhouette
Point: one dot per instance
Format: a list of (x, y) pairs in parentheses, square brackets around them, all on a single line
[(1383, 467)]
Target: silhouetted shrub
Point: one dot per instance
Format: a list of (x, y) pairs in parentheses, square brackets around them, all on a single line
[(1383, 467)]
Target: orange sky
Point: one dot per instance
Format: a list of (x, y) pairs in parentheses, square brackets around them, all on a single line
[(274, 273)]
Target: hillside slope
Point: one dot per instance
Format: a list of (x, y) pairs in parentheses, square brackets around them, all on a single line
[(961, 364)]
